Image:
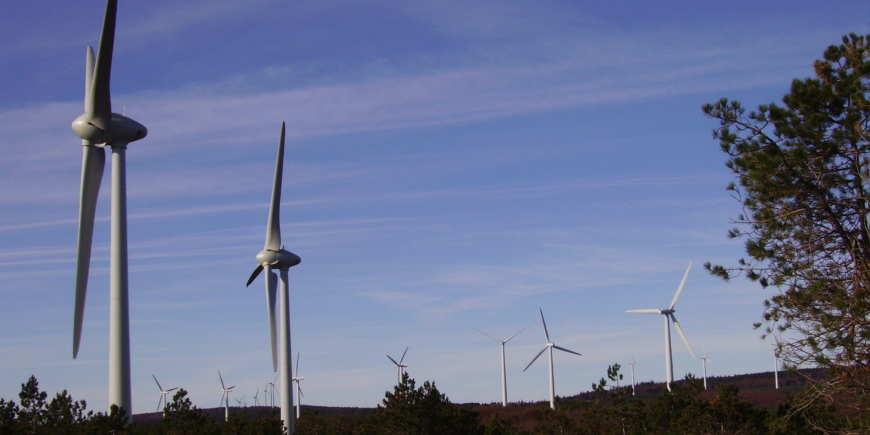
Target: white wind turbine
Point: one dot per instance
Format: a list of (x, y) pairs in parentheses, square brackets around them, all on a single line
[(163, 394), (775, 370), (704, 360), (400, 368), (669, 317), (549, 346), (633, 387), (98, 127), (298, 379), (256, 400), (274, 256), (225, 398), (503, 375)]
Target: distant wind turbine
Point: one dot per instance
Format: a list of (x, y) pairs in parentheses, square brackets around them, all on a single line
[(633, 387), (163, 394), (256, 400), (669, 317), (549, 346), (298, 379), (503, 375), (225, 398), (400, 368), (704, 363), (775, 370), (271, 392)]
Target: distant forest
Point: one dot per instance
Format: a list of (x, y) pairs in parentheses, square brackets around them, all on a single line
[(743, 404)]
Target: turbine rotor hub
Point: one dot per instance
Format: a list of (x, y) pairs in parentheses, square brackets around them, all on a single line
[(667, 311), (280, 259)]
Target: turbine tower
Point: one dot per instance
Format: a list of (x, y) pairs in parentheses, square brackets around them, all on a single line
[(704, 360), (274, 256), (775, 371), (549, 346), (669, 317), (225, 398), (163, 394), (633, 387), (298, 379), (503, 376), (400, 368), (98, 127)]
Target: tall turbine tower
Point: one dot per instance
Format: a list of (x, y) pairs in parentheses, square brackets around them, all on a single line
[(298, 379), (400, 368), (163, 394), (274, 256), (633, 386), (550, 345), (98, 127), (669, 317), (503, 376)]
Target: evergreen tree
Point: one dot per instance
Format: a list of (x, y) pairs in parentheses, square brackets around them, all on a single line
[(803, 177)]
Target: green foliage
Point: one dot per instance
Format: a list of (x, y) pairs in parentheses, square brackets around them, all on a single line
[(409, 410)]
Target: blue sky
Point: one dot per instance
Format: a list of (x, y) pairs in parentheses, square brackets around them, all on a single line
[(450, 165)]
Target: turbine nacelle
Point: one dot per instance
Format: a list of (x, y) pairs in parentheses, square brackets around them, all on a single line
[(280, 259), (121, 130)]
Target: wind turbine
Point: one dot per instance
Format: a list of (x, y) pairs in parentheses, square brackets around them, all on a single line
[(98, 127), (400, 368), (225, 398), (775, 370), (669, 317), (271, 392), (274, 256), (633, 387), (550, 345), (163, 394), (256, 400), (503, 376), (298, 379), (704, 360)]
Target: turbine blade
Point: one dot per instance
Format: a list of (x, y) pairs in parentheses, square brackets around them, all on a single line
[(171, 390), (98, 104), (680, 288), (89, 74), (683, 336), (566, 350), (403, 355), (158, 383), (271, 295), (254, 275), (478, 330), (300, 392), (158, 402), (535, 359), (222, 380), (297, 364), (394, 361), (546, 334), (646, 310), (518, 333), (273, 226), (93, 163)]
